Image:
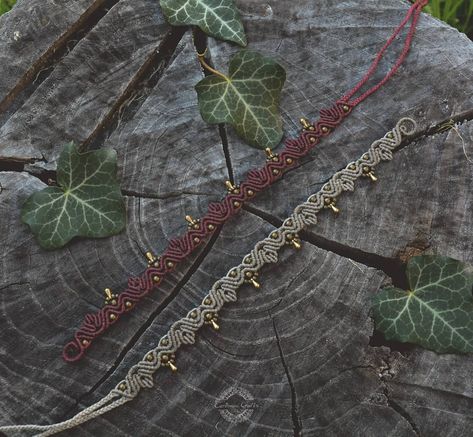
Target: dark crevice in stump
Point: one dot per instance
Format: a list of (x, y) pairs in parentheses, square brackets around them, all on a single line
[(42, 68), (392, 267), (130, 101), (297, 423)]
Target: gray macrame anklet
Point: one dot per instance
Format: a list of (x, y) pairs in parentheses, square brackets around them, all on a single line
[(183, 331)]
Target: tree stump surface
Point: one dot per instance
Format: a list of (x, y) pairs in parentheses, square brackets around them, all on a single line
[(300, 356)]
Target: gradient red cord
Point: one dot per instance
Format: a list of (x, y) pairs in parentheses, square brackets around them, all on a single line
[(219, 212)]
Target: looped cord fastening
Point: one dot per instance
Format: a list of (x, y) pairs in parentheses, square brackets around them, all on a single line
[(414, 11)]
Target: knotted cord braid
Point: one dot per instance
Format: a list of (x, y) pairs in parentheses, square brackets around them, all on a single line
[(218, 213), (183, 332)]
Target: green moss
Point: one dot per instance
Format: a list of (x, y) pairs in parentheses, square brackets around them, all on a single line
[(6, 5)]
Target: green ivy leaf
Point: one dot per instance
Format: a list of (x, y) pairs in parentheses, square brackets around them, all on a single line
[(248, 98), (437, 311), (218, 18), (87, 201)]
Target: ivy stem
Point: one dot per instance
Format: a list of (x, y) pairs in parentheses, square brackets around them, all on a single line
[(201, 57)]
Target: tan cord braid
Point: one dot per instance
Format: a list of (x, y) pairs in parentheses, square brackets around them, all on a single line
[(225, 290)]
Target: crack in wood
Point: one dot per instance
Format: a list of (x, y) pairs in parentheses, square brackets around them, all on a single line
[(44, 65), (11, 165), (205, 339), (401, 411), (296, 421), (170, 195), (391, 267), (443, 126), (140, 86), (200, 40), (226, 151)]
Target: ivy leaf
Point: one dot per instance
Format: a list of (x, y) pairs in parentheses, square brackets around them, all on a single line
[(87, 201), (218, 18), (248, 98), (437, 311)]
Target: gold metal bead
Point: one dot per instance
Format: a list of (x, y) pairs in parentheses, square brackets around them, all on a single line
[(233, 273), (345, 108), (164, 341), (232, 188), (196, 240), (275, 171), (352, 167), (372, 176), (330, 203), (210, 227), (296, 243), (169, 361), (369, 173), (128, 304), (289, 161), (236, 204), (312, 139), (251, 279), (270, 155), (85, 342), (156, 278), (325, 129), (193, 314), (289, 222), (255, 283), (191, 222), (334, 208), (149, 357), (122, 387), (110, 297), (305, 124), (274, 235), (248, 260), (366, 157), (211, 319), (170, 264), (250, 193), (112, 317), (150, 257), (108, 294), (294, 240), (390, 135), (207, 301)]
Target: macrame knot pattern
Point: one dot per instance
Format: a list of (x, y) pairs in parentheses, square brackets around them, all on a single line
[(264, 252)]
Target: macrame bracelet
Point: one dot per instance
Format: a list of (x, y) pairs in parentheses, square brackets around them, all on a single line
[(183, 332), (219, 212)]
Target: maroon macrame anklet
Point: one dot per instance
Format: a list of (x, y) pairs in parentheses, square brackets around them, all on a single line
[(219, 212)]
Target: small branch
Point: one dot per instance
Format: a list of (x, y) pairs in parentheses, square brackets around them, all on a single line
[(201, 57)]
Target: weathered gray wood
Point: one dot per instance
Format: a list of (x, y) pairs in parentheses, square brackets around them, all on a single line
[(103, 65), (31, 34), (299, 349)]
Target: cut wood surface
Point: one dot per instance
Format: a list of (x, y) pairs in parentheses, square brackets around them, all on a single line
[(300, 356)]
